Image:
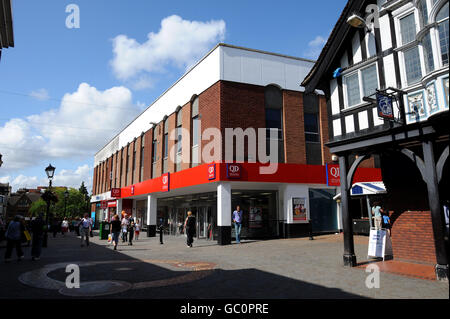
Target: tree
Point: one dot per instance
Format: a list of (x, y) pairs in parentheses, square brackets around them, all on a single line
[(38, 207)]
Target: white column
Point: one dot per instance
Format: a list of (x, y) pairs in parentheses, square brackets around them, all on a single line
[(119, 207), (151, 209), (224, 204)]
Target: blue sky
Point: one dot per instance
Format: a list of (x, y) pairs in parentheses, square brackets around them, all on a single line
[(57, 84)]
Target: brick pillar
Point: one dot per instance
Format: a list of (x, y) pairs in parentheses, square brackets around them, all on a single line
[(294, 128)]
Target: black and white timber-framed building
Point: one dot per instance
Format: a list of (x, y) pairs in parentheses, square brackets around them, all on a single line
[(399, 49)]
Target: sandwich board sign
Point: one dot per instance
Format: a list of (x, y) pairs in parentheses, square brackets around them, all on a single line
[(379, 243)]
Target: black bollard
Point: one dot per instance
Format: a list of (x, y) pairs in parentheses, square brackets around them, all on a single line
[(310, 230)]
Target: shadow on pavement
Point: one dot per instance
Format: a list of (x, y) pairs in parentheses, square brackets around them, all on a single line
[(105, 273)]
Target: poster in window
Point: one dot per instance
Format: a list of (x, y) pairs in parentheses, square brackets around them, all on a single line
[(255, 217), (299, 208)]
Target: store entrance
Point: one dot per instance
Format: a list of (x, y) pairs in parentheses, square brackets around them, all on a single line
[(204, 222)]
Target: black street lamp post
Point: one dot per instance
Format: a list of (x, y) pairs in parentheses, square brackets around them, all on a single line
[(50, 171), (66, 195)]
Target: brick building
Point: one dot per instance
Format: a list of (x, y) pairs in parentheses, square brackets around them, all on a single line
[(174, 157)]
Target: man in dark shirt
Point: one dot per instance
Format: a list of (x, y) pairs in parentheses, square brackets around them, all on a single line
[(37, 228), (116, 227)]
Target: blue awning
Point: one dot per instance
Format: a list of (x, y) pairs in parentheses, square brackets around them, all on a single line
[(365, 188)]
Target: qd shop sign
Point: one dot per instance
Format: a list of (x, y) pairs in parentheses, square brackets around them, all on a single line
[(211, 171), (165, 179), (234, 171), (333, 175)]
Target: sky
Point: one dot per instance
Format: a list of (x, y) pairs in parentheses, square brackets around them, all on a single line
[(66, 89)]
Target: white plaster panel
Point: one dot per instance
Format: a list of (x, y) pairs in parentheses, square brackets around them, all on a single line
[(337, 130), (363, 120), (376, 119), (356, 49), (389, 71), (385, 33), (335, 109), (349, 124)]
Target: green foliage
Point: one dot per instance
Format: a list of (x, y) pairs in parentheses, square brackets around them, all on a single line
[(76, 204), (38, 207)]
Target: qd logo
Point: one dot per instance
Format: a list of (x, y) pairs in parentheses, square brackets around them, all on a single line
[(211, 171), (334, 171), (233, 171), (165, 182), (132, 190)]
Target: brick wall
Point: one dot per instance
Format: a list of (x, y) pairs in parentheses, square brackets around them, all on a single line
[(171, 157), (323, 126), (412, 236), (148, 154), (294, 129), (208, 106), (123, 153), (186, 142)]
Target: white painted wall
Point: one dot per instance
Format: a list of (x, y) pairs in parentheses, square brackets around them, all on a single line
[(287, 192)]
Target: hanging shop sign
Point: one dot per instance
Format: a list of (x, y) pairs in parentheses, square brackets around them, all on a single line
[(384, 106), (115, 192), (132, 189), (234, 171), (211, 171), (104, 204), (379, 244), (333, 175), (299, 208), (165, 180)]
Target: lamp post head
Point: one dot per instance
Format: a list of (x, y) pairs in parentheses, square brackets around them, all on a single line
[(50, 171), (356, 21), (66, 194)]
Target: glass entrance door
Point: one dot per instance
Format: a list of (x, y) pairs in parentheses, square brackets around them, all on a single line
[(202, 222)]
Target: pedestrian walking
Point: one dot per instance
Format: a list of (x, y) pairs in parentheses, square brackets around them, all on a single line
[(137, 229), (92, 226), (237, 220), (376, 211), (56, 225), (130, 229), (125, 222), (77, 225), (64, 227), (85, 229), (387, 222), (37, 229), (189, 227), (116, 227), (14, 235)]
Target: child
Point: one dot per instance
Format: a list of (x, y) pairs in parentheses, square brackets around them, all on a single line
[(137, 229), (387, 222)]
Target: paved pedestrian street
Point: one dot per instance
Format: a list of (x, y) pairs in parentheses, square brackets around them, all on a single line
[(269, 269)]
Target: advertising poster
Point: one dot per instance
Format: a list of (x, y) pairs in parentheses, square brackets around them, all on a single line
[(255, 217), (299, 208)]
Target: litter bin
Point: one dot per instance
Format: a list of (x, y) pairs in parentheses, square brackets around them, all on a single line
[(104, 230)]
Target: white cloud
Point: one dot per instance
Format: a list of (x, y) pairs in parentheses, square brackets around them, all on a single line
[(65, 177), (315, 47), (41, 94), (178, 42), (84, 122)]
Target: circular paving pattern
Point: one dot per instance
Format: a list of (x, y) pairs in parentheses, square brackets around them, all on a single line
[(39, 278)]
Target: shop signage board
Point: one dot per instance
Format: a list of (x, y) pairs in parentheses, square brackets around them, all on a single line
[(211, 171), (115, 192), (379, 244), (333, 175), (165, 180), (299, 209), (234, 171), (132, 189), (384, 106), (104, 204)]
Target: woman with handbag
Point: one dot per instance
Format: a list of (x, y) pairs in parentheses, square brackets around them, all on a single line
[(14, 235)]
